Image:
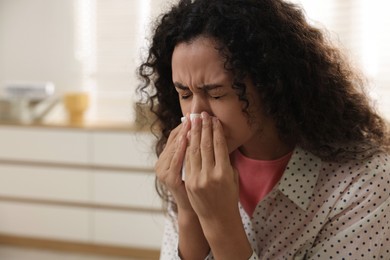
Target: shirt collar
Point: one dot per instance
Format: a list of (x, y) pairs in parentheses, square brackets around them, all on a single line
[(300, 177)]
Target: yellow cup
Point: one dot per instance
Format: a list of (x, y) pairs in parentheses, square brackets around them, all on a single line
[(76, 104)]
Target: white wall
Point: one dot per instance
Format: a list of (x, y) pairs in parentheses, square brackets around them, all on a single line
[(69, 41), (37, 42), (92, 45), (40, 40)]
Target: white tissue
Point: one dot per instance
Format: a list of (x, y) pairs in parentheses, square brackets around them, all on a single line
[(183, 172), (193, 116)]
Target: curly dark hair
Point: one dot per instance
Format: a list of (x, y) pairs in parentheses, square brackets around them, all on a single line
[(307, 86)]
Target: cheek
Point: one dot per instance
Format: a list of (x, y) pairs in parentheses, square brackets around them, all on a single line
[(185, 107), (234, 124), (237, 135)]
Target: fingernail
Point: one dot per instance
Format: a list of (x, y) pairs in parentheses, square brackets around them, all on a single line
[(205, 118), (183, 119)]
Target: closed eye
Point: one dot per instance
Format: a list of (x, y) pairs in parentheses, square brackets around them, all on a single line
[(216, 95), (185, 96)]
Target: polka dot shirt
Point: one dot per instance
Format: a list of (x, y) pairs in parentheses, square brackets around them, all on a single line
[(318, 210)]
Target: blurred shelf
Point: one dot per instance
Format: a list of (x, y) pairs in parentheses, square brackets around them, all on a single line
[(104, 114)]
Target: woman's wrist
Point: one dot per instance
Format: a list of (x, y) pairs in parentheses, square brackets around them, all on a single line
[(192, 242), (227, 240)]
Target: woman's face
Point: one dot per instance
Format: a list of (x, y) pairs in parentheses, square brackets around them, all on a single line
[(203, 84)]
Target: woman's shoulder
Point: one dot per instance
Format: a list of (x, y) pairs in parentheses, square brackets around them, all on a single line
[(359, 169), (361, 185), (358, 175), (376, 164), (354, 164)]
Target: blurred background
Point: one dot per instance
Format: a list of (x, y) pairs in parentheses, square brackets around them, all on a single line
[(361, 29), (76, 173), (79, 45)]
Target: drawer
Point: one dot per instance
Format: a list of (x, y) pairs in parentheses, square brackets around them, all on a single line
[(45, 183), (126, 189), (143, 230), (44, 221), (133, 150), (47, 145)]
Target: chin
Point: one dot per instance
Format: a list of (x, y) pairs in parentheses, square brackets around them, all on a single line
[(232, 148)]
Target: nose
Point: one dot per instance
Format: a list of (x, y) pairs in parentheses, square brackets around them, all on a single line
[(200, 104)]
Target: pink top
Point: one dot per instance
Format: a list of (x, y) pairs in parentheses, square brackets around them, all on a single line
[(257, 178)]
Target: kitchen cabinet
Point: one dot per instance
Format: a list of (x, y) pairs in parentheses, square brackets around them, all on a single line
[(45, 145), (45, 221), (81, 185)]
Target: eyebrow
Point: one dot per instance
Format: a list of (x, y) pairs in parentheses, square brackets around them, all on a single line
[(206, 87)]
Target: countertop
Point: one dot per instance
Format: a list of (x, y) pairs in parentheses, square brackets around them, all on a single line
[(88, 125), (108, 117)]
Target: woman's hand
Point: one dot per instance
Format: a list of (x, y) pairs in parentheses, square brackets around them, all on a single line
[(213, 191), (211, 181), (192, 243), (169, 165)]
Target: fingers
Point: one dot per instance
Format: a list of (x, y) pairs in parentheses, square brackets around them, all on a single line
[(170, 161), (169, 147), (220, 146), (179, 147), (163, 162), (206, 142), (193, 151)]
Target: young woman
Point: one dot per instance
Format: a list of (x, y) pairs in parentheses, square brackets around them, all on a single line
[(284, 158)]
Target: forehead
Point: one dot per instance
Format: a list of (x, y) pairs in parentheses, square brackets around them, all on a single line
[(200, 49), (199, 59), (200, 42)]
